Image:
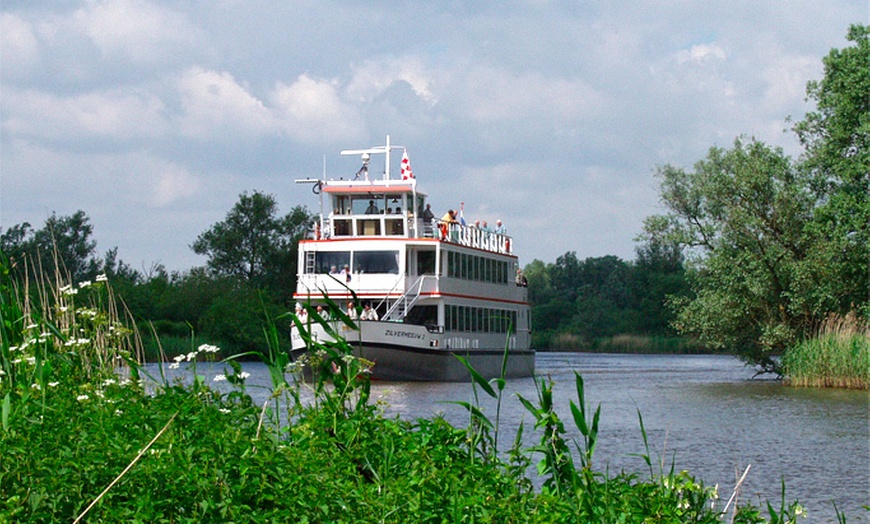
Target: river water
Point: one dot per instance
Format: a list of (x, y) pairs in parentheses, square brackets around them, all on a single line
[(702, 413)]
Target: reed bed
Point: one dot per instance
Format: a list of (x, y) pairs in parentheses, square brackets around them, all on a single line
[(837, 357)]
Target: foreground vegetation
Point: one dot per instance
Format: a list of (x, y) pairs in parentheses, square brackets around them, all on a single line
[(86, 436)]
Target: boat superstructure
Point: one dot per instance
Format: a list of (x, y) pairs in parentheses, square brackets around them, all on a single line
[(439, 288)]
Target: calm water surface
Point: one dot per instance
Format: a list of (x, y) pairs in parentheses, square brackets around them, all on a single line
[(702, 413)]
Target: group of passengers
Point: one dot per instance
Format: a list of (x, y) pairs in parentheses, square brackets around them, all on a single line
[(450, 217), (367, 313), (374, 210)]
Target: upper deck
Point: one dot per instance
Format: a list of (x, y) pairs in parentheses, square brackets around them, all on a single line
[(364, 208)]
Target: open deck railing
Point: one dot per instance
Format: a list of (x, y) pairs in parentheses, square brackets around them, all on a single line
[(349, 226)]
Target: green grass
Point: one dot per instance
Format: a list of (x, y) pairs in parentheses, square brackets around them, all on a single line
[(83, 438), (838, 356)]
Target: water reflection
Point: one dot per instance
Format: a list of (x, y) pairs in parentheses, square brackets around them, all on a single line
[(702, 413)]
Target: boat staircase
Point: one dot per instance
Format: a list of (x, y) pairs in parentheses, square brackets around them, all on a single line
[(403, 304)]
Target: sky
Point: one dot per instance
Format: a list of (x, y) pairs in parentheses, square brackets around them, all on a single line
[(154, 116)]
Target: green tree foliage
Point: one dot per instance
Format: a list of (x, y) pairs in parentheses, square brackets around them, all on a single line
[(587, 300), (776, 245), (254, 244), (64, 244), (836, 138)]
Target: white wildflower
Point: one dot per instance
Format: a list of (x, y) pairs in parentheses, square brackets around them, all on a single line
[(179, 358), (220, 377), (82, 397), (65, 288), (244, 374), (208, 348), (102, 278), (35, 386), (84, 284), (31, 360), (174, 365), (109, 382), (31, 326), (53, 384), (191, 357), (224, 410), (13, 348)]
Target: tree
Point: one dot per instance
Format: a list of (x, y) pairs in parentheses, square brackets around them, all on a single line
[(253, 243), (741, 214), (774, 245), (63, 244), (836, 138)]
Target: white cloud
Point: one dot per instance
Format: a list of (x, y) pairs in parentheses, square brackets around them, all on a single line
[(313, 111), (373, 78), (114, 115), (172, 183), (215, 106), (19, 48), (701, 53), (136, 30)]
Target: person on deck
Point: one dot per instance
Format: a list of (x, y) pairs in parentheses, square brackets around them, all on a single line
[(351, 310), (445, 222), (368, 313), (372, 209)]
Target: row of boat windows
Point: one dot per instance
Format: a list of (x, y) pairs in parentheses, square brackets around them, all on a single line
[(473, 267), (459, 265), (479, 319), (358, 262)]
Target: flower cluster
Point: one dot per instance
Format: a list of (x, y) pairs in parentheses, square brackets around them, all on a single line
[(206, 349)]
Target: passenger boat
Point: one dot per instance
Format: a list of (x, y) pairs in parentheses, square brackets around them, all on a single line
[(439, 288)]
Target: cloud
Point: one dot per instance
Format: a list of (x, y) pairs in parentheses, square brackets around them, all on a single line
[(19, 48), (113, 115), (315, 111), (136, 30), (172, 183), (216, 107), (701, 53)]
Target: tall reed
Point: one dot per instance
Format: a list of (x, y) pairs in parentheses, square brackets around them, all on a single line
[(838, 356)]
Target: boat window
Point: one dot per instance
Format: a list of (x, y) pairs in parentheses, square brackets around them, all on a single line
[(341, 205), (331, 261), (368, 205), (376, 262), (426, 263), (423, 316)]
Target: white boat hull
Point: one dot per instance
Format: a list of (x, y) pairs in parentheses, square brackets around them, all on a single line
[(403, 352)]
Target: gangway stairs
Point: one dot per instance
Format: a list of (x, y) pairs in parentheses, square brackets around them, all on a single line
[(403, 304)]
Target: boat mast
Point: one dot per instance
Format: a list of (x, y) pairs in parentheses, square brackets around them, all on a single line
[(380, 150)]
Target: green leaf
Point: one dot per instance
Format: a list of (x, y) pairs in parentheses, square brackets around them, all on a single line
[(477, 377), (7, 409)]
